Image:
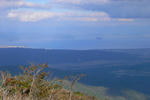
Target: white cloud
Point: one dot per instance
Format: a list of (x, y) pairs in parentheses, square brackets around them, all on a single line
[(30, 16), (13, 3), (33, 16), (126, 19), (34, 13), (115, 8), (80, 2), (20, 4)]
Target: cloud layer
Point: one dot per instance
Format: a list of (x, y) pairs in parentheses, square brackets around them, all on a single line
[(115, 8), (14, 4), (123, 10), (33, 16), (80, 2)]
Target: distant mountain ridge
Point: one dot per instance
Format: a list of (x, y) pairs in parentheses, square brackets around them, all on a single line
[(17, 56)]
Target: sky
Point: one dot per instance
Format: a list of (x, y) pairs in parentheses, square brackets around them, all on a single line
[(75, 24)]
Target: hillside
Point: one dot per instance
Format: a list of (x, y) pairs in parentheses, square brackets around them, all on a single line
[(72, 58), (115, 69), (56, 88), (107, 94), (34, 84)]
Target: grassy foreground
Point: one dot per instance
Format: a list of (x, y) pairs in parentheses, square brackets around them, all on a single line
[(34, 84)]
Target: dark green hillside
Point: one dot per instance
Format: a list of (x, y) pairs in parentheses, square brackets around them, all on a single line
[(34, 84), (117, 78), (15, 56), (103, 93)]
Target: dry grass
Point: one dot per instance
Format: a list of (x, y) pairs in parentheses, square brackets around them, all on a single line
[(33, 84)]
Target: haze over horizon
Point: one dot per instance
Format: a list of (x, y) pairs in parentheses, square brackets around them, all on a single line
[(75, 24), (25, 47)]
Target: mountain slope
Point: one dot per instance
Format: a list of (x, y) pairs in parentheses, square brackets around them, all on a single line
[(65, 58)]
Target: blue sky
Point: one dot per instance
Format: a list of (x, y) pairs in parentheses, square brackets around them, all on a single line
[(75, 24)]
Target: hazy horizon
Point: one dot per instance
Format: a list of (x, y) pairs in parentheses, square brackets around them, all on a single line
[(24, 47)]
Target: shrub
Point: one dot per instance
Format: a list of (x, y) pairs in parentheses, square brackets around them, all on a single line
[(33, 84)]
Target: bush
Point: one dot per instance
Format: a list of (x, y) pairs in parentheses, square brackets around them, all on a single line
[(33, 84)]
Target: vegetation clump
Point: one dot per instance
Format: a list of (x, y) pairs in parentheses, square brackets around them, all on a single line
[(34, 84)]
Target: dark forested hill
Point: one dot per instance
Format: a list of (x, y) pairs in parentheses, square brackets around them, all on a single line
[(64, 58)]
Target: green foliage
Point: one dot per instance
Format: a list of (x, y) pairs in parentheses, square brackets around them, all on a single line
[(33, 84), (104, 94)]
